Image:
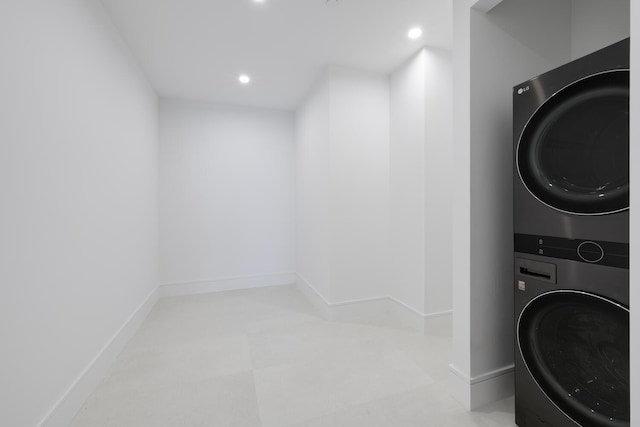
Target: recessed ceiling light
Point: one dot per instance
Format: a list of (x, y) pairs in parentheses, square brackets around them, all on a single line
[(415, 33), (258, 1), (244, 79)]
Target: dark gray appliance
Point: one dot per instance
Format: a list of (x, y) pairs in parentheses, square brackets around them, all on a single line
[(572, 336), (571, 138), (571, 235)]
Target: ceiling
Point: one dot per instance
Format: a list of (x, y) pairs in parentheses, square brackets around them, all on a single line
[(195, 49)]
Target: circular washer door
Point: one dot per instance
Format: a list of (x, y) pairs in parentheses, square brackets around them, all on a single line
[(576, 347), (573, 154)]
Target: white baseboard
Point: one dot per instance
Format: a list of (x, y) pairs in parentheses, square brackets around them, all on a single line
[(63, 411), (383, 311), (378, 311), (439, 324), (314, 297), (475, 392), (226, 284)]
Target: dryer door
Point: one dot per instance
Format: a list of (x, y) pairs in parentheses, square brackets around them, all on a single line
[(576, 347), (573, 154)]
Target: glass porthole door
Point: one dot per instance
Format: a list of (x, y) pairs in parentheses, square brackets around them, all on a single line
[(576, 347), (573, 154)]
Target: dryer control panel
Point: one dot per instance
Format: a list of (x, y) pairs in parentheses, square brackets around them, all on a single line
[(612, 254)]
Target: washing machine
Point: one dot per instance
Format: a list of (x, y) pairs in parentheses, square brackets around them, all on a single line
[(571, 243), (572, 339)]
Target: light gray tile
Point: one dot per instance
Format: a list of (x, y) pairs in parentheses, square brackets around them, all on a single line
[(431, 353), (293, 393), (498, 414), (425, 406), (278, 343), (221, 402), (263, 357), (183, 362)]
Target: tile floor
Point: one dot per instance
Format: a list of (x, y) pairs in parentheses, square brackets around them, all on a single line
[(263, 357)]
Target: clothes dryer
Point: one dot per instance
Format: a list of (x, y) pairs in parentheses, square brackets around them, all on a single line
[(571, 144)]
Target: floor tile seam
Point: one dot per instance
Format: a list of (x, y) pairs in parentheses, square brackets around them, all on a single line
[(357, 405), (409, 361), (257, 398), (426, 369), (344, 360), (185, 341), (307, 343), (259, 402), (143, 388), (436, 350), (263, 408), (277, 327)]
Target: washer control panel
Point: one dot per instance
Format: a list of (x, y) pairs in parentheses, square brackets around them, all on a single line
[(613, 254)]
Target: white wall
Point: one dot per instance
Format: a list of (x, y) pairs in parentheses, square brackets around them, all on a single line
[(439, 173), (596, 24), (460, 382), (313, 188), (421, 111), (227, 183), (371, 224), (529, 37), (359, 154), (407, 182), (529, 49), (343, 185), (78, 182)]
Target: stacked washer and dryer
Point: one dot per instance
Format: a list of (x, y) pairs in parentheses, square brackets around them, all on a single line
[(571, 242)]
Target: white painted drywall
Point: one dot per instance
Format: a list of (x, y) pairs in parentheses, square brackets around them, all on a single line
[(508, 46), (227, 183), (516, 40), (461, 250), (439, 174), (313, 238), (596, 24), (343, 185), (421, 111), (362, 175), (407, 182), (359, 154), (78, 183), (634, 162)]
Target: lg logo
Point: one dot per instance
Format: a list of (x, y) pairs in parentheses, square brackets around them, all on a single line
[(523, 90)]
